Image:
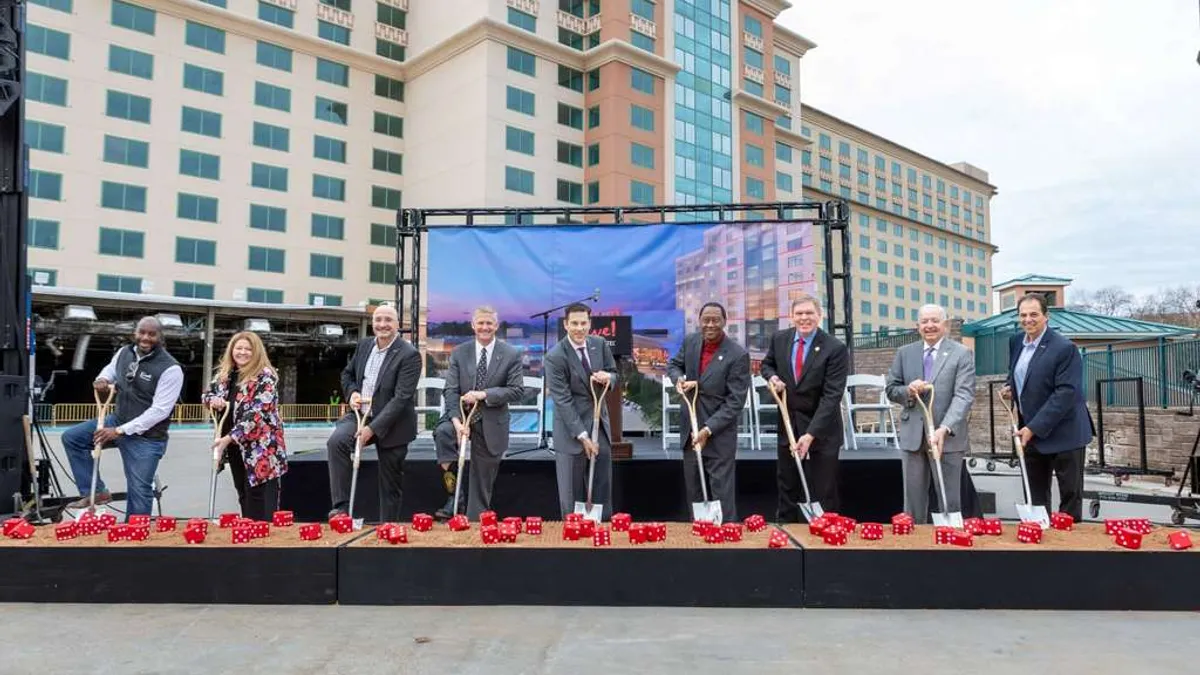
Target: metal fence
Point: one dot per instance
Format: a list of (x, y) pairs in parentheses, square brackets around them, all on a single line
[(60, 414), (885, 339), (1160, 366)]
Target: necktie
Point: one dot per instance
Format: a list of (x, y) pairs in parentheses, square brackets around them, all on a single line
[(587, 367), (481, 371), (928, 362), (799, 366)]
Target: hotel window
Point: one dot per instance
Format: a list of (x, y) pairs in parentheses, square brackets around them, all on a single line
[(130, 62), (522, 20), (205, 37), (127, 151), (754, 155), (118, 284), (570, 78), (522, 62), (333, 72), (273, 97), (518, 140), (48, 41), (269, 218), (569, 153), (271, 137), (133, 17), (191, 289), (203, 80), (203, 122), (518, 180), (389, 125), (127, 107), (44, 136), (520, 100), (389, 88), (276, 15), (327, 227), (332, 111), (641, 193), (125, 243), (385, 198), (331, 149), (333, 32), (195, 251), (264, 259), (639, 80)]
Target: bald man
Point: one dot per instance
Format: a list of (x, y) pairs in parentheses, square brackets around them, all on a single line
[(148, 382), (380, 380)]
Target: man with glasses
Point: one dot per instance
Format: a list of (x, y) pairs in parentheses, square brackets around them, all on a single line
[(148, 382)]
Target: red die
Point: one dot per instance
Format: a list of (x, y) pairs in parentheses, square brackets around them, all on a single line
[(382, 530), (310, 532), (638, 534), (140, 519), (66, 530), (993, 527), (700, 528), (139, 532), (846, 523), (756, 523), (490, 533), (587, 528), (533, 525), (1062, 521), (107, 520), (777, 540), (1179, 540), (1029, 533), (960, 538), (119, 533), (164, 524), (197, 524), (656, 532), (10, 524), (973, 525), (818, 525), (1139, 525), (508, 533), (732, 531), (573, 517), (422, 522), (397, 535), (514, 521), (88, 527), (1128, 538), (459, 523), (22, 530), (487, 518), (902, 523), (601, 537), (835, 536), (942, 535), (714, 536), (572, 530), (621, 522), (241, 534), (260, 529), (283, 518), (341, 523), (228, 520), (871, 531), (194, 535)]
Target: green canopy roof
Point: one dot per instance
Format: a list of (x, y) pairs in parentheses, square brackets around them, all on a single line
[(1077, 325)]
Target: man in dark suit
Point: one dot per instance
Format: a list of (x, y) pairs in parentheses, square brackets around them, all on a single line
[(1046, 375), (811, 366), (573, 366), (488, 372), (721, 368), (382, 378)]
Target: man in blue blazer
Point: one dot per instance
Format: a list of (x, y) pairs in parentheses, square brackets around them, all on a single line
[(1046, 376)]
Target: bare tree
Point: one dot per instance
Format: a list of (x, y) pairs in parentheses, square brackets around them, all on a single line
[(1080, 300), (1177, 306), (1113, 301)]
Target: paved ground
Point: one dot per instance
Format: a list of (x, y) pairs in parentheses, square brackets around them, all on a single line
[(127, 640)]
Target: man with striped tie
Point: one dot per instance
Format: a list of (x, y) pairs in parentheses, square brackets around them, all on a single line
[(488, 372), (811, 366)]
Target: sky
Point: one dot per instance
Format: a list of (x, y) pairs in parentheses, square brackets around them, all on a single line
[(1085, 114)]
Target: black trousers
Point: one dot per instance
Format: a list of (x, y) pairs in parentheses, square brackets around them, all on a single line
[(341, 466), (258, 502), (820, 468), (1068, 467)]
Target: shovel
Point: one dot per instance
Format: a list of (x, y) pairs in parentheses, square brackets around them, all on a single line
[(811, 510), (218, 424), (102, 408), (1027, 512), (706, 510), (360, 415), (587, 509), (945, 518), (467, 417)]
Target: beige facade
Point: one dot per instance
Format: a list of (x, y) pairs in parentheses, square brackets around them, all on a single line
[(446, 103)]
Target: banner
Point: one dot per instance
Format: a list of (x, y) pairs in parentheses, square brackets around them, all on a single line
[(657, 275)]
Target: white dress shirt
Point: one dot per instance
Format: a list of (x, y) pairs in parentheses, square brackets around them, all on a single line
[(374, 363)]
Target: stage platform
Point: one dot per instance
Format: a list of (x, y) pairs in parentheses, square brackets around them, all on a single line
[(650, 485)]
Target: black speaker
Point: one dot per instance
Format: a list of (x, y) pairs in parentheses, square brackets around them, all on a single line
[(13, 405)]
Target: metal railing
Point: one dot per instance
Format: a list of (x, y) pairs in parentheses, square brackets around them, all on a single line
[(61, 414), (885, 339)]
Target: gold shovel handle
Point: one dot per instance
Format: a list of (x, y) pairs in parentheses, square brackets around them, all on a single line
[(597, 398), (781, 401), (689, 399), (467, 415), (1011, 408), (359, 416), (219, 421)]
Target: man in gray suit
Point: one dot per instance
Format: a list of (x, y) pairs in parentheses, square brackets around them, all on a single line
[(486, 371), (721, 368), (573, 366), (950, 368)]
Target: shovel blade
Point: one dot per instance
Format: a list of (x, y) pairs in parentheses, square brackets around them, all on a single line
[(356, 523), (1029, 513), (707, 511), (592, 514), (956, 519), (940, 520)]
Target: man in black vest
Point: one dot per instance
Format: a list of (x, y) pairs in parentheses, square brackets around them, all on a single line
[(148, 381)]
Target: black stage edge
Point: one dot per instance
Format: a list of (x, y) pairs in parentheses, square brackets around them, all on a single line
[(595, 577), (201, 575), (649, 489), (967, 579)]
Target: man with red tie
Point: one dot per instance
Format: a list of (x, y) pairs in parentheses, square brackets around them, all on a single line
[(811, 366), (720, 367)]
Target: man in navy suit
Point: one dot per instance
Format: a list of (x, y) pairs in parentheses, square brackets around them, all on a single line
[(1046, 375)]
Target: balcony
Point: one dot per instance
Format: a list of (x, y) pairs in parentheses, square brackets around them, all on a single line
[(753, 74), (783, 79), (528, 6), (286, 4), (752, 41), (335, 16), (391, 34), (401, 5), (643, 25), (593, 24), (572, 23)]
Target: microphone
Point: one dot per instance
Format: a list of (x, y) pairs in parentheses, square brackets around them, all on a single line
[(596, 296)]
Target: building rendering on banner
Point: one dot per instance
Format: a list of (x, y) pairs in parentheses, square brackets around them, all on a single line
[(257, 150)]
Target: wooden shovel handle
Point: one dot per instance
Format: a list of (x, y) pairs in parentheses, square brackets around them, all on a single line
[(781, 401)]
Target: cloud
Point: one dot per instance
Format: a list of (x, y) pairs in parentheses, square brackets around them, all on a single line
[(1083, 112)]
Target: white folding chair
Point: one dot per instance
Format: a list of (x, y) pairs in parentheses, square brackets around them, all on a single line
[(757, 407), (886, 427), (425, 385), (668, 389), (534, 383)]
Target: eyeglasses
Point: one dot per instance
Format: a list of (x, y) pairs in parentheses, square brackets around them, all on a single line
[(132, 371)]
